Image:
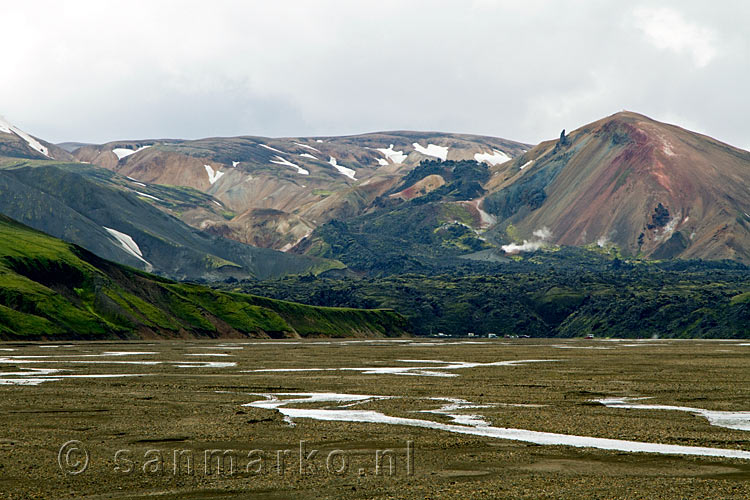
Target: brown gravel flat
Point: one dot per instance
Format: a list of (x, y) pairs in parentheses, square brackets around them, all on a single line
[(167, 409)]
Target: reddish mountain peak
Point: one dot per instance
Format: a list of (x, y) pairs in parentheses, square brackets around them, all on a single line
[(626, 115), (623, 127), (651, 188)]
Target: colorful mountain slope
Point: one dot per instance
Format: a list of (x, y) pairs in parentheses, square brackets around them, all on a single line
[(125, 221), (652, 189), (310, 180)]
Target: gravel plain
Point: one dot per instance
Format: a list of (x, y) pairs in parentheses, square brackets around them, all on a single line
[(134, 407)]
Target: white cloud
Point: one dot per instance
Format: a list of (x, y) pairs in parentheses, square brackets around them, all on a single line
[(521, 69), (667, 29)]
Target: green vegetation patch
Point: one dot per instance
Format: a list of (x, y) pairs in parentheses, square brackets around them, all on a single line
[(50, 289), (568, 292)]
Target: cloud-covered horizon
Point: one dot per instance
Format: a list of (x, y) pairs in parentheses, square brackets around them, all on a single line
[(523, 70)]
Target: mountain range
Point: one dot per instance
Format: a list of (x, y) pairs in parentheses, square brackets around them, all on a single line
[(218, 207), (384, 220), (277, 191)]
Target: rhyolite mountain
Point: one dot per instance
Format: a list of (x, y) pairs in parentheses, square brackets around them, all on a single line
[(460, 233), (651, 189), (275, 191), (50, 289), (625, 184), (648, 189), (119, 220), (95, 209)]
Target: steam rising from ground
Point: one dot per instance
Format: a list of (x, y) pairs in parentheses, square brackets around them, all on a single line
[(542, 236)]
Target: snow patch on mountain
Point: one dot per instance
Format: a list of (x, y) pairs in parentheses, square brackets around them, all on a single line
[(343, 170), (308, 155), (306, 146), (281, 161), (271, 149), (128, 244), (9, 128), (432, 150), (148, 196), (125, 152), (526, 164), (394, 156), (494, 158), (212, 176), (289, 246), (235, 163)]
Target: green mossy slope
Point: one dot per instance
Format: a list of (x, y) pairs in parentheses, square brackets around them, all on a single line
[(50, 289)]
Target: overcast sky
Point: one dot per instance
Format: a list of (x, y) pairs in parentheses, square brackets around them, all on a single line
[(103, 70)]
